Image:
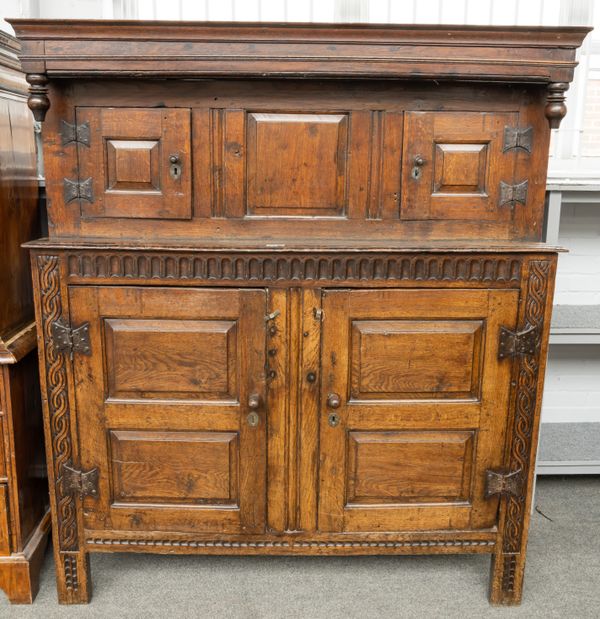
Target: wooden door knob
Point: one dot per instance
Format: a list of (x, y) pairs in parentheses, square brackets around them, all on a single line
[(254, 401), (333, 400)]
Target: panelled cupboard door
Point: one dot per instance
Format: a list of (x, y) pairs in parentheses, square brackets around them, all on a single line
[(414, 408), (286, 164), (170, 408), (137, 163), (454, 164)]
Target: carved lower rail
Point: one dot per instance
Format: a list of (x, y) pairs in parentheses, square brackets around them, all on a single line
[(291, 546)]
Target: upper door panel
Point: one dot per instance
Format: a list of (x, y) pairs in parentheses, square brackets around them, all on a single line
[(454, 165), (139, 163)]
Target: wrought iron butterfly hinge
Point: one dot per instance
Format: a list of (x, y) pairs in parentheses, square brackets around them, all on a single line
[(518, 138), (83, 483), (74, 134), (75, 190), (68, 340), (511, 194), (511, 343), (502, 483)]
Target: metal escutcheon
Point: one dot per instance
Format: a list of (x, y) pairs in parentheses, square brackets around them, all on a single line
[(333, 420), (175, 167), (419, 162), (253, 419)]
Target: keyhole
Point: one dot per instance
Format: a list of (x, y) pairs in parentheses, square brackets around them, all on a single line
[(416, 173), (175, 171)]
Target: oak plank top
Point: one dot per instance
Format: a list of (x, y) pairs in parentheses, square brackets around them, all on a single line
[(68, 48)]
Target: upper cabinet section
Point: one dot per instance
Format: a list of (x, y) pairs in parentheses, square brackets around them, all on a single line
[(353, 133)]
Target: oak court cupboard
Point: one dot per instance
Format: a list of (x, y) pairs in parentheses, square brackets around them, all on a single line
[(294, 298)]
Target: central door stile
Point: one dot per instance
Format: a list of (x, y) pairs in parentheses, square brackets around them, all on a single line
[(278, 381), (309, 380), (294, 403), (293, 374)]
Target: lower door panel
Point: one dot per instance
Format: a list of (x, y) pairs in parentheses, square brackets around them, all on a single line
[(414, 405), (163, 404)]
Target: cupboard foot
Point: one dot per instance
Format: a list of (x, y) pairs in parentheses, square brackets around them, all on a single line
[(20, 572), (506, 579), (73, 577)]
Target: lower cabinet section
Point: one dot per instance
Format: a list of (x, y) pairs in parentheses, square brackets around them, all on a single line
[(172, 415), (282, 420)]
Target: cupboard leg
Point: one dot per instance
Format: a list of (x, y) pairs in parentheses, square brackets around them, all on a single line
[(508, 563), (72, 567), (73, 577), (506, 580)]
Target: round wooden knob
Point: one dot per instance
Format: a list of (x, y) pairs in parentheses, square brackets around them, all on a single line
[(333, 400), (254, 401)]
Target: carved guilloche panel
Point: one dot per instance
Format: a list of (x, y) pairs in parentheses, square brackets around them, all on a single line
[(409, 467), (296, 163), (171, 359), (174, 467), (411, 359)]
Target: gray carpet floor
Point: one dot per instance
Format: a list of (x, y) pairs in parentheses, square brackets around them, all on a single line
[(562, 577)]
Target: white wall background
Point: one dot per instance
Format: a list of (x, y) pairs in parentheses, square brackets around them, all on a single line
[(578, 278)]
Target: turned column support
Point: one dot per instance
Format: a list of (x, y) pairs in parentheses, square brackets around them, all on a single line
[(556, 109), (38, 101)]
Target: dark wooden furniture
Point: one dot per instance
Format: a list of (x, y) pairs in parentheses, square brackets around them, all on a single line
[(24, 516), (293, 299)]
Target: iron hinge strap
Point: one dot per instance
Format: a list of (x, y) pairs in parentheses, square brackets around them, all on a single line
[(68, 340), (502, 483), (83, 483), (511, 343), (518, 138), (272, 315), (74, 134)]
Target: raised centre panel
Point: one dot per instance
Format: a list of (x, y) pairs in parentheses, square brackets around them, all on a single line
[(297, 164), (460, 168), (174, 467), (171, 359), (415, 359), (406, 467), (133, 165), (252, 164)]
